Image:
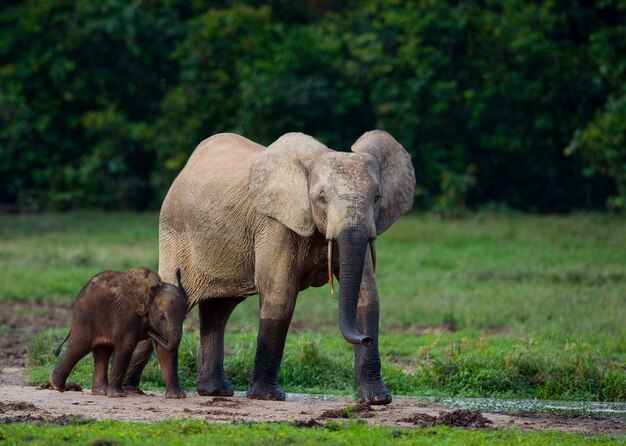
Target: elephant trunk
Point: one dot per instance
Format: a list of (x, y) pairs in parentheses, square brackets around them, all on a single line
[(352, 250), (173, 339)]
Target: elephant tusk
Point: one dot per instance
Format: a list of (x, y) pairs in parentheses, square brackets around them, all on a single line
[(373, 253), (330, 267)]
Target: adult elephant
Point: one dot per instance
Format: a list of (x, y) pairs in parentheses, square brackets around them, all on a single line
[(241, 219)]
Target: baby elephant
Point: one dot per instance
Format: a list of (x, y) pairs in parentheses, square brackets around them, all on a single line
[(115, 311)]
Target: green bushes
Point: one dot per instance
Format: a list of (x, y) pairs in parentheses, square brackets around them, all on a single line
[(103, 108)]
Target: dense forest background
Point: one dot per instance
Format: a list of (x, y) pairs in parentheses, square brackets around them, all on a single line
[(512, 103)]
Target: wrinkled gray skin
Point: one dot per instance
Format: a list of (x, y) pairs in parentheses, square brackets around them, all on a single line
[(242, 219), (114, 312)]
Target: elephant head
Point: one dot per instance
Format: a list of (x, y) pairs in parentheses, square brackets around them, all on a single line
[(162, 304), (348, 197)]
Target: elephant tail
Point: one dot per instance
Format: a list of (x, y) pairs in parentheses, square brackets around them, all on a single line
[(57, 350), (180, 285)]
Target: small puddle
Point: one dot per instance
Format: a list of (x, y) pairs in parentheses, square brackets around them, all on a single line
[(307, 396), (535, 406), (606, 409)]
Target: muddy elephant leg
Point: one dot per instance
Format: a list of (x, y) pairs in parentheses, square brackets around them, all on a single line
[(100, 382), (169, 367), (214, 314), (277, 284), (76, 351), (273, 327), (369, 383), (121, 360), (138, 362)]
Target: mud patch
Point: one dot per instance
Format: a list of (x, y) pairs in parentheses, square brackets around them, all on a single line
[(463, 418), (69, 387), (420, 419), (61, 420), (221, 401), (27, 404), (18, 406), (308, 424), (361, 410), (23, 412), (469, 419)]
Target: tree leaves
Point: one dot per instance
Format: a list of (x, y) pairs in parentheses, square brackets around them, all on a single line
[(101, 103)]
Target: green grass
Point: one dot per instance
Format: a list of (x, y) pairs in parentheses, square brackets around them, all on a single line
[(535, 303), (51, 256), (437, 366), (191, 432)]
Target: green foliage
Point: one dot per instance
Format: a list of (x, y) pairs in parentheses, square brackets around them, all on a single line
[(197, 432), (454, 189), (603, 143), (103, 108), (78, 81)]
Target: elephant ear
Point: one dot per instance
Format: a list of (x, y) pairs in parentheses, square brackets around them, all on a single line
[(279, 186), (138, 287), (397, 176)]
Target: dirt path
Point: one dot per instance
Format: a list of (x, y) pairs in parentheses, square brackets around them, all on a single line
[(22, 403), (20, 322), (19, 402)]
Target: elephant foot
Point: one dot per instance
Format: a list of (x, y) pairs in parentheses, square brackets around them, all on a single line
[(375, 393), (215, 388), (99, 390), (132, 390), (51, 385), (174, 394), (115, 393), (56, 382), (262, 391), (73, 387)]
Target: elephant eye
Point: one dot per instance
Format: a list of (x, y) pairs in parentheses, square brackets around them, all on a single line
[(322, 198), (162, 317), (376, 197)]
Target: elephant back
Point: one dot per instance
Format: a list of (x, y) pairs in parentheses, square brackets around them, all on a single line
[(206, 208)]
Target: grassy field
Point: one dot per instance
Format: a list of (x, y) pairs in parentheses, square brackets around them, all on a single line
[(193, 432), (513, 305)]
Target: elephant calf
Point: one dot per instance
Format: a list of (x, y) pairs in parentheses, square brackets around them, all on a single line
[(115, 311)]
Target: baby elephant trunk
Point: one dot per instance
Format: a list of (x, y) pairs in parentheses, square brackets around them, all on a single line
[(173, 339)]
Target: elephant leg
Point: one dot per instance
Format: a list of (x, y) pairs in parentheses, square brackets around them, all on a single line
[(76, 351), (169, 367), (369, 383), (214, 314), (100, 382), (273, 327), (138, 362), (121, 361)]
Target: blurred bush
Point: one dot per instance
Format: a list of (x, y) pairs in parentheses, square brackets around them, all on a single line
[(102, 102)]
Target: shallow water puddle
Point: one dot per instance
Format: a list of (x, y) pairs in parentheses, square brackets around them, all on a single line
[(509, 406), (535, 406)]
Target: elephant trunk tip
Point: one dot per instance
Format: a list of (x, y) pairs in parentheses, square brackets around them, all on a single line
[(367, 341), (359, 339)]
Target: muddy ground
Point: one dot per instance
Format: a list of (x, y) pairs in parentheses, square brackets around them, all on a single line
[(20, 402)]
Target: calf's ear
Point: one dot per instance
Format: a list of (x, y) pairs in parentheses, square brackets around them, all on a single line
[(138, 287)]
